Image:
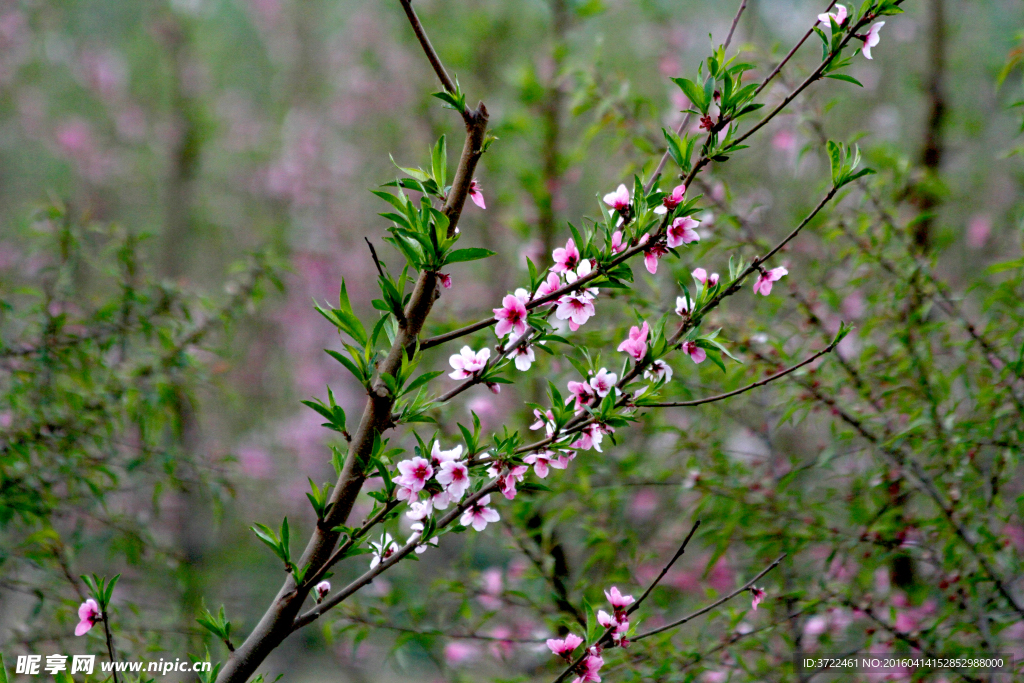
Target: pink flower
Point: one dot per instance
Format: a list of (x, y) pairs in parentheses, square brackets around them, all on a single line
[(542, 460), (511, 316), (591, 436), (417, 533), (551, 284), (523, 354), (671, 200), (763, 285), (476, 195), (582, 392), (701, 276), (456, 652), (871, 39), (565, 259), (696, 353), (658, 369), (479, 515), (508, 479), (636, 345), (419, 509), (446, 280), (545, 419), (88, 615), (618, 246), (619, 623), (591, 665), (651, 256), (321, 590), (682, 232), (577, 308), (454, 477), (759, 595), (467, 362), (617, 599), (414, 474), (618, 200), (603, 382), (684, 305), (839, 15), (564, 647)]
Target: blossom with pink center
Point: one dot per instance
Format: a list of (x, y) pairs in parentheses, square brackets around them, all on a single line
[(321, 590), (671, 200), (446, 280), (417, 531), (619, 199), (635, 346), (507, 481), (522, 355), (701, 275), (696, 353), (591, 666), (871, 39), (479, 515), (684, 305), (476, 195), (511, 316), (577, 308), (617, 599), (619, 623), (682, 232), (551, 284), (414, 474), (564, 458), (582, 392), (658, 370), (467, 362), (759, 596), (839, 15), (603, 382), (88, 615), (618, 246), (563, 647), (454, 477), (542, 460), (565, 259), (652, 255), (763, 285), (383, 549), (591, 436)]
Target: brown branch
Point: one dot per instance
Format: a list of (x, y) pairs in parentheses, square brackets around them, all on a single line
[(664, 570), (428, 49)]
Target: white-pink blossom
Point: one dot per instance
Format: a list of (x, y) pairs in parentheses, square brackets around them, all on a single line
[(577, 308), (618, 245), (684, 305), (382, 550), (542, 460), (603, 382), (871, 39), (415, 473), (652, 255), (619, 199), (551, 284), (321, 590), (479, 515), (582, 392), (682, 232), (759, 595), (657, 370), (591, 666), (839, 15), (467, 362), (763, 285), (417, 530), (617, 599), (635, 345), (454, 477), (438, 456)]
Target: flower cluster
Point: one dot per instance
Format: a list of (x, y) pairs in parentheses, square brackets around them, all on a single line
[(587, 671), (618, 620)]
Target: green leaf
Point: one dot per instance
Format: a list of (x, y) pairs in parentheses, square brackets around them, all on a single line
[(844, 77), (471, 254), (439, 162), (694, 92)]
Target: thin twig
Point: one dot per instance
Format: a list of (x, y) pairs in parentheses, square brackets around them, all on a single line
[(661, 575), (754, 385), (376, 261), (715, 604), (428, 49)]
